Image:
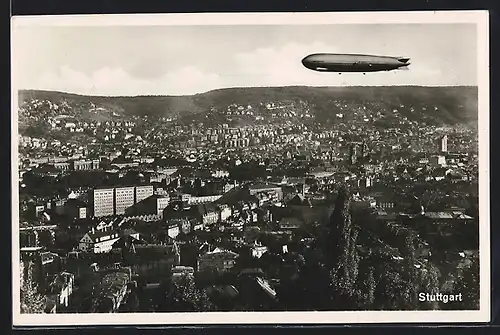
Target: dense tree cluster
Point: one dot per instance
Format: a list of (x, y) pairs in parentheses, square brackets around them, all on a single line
[(32, 302), (351, 269), (185, 296)]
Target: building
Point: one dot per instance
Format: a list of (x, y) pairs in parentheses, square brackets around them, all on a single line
[(290, 224), (353, 153), (203, 199), (443, 144), (85, 165), (257, 250), (39, 210), (103, 202), (143, 192), (267, 188), (173, 230), (219, 260), (206, 213), (437, 160), (386, 203), (220, 174), (225, 212), (63, 166), (98, 241), (116, 201), (154, 204), (124, 199)]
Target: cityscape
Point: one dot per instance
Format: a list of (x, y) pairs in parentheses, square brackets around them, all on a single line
[(282, 198)]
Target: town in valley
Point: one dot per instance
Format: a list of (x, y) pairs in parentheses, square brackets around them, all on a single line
[(249, 199)]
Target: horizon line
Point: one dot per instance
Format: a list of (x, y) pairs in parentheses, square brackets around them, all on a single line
[(20, 90)]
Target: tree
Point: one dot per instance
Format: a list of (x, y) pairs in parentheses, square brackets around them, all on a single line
[(365, 289), (342, 255), (186, 297), (468, 286), (32, 302)]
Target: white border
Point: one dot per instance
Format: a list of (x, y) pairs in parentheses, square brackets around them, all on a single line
[(481, 18)]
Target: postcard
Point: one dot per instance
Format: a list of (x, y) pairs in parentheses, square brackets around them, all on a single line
[(251, 168)]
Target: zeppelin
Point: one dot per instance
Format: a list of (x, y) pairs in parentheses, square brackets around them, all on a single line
[(326, 62)]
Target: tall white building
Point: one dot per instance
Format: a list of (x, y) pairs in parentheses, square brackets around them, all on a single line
[(115, 201), (124, 198), (443, 144), (143, 192), (103, 202)]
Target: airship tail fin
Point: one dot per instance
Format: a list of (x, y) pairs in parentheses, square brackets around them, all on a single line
[(403, 59), (404, 67)]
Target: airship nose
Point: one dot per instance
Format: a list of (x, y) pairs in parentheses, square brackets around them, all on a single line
[(306, 62)]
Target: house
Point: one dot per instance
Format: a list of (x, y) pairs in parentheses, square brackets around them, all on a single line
[(219, 260), (386, 203), (290, 223), (206, 213), (440, 173), (225, 212), (257, 250), (104, 226), (299, 200), (446, 217), (173, 229), (457, 175), (98, 241)]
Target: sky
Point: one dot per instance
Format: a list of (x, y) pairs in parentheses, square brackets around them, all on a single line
[(180, 60)]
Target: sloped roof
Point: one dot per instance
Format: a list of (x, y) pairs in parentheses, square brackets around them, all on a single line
[(263, 186), (439, 215), (48, 256), (99, 234), (218, 252), (203, 209), (126, 241), (129, 231), (299, 200), (235, 195)]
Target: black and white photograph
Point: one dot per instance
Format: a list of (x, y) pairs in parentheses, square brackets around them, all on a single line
[(250, 168)]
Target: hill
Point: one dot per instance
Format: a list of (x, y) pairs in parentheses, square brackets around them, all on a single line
[(434, 105)]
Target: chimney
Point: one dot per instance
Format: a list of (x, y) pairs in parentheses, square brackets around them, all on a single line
[(93, 230)]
